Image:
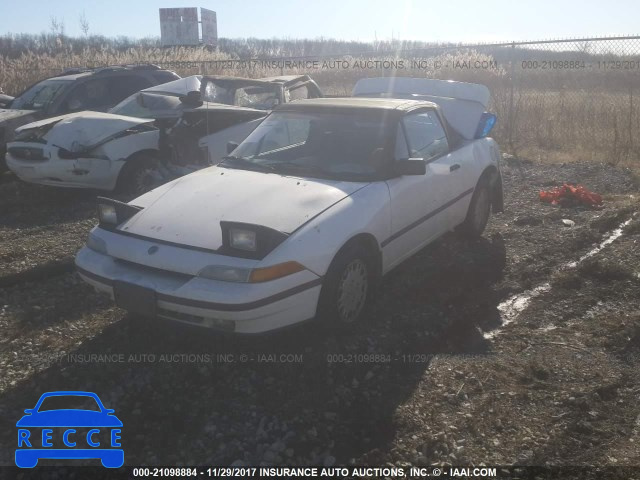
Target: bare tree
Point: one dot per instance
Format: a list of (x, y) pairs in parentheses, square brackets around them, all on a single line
[(54, 25), (84, 24)]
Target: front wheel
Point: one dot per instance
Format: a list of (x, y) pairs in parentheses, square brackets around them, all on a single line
[(346, 289), (139, 175), (479, 210)]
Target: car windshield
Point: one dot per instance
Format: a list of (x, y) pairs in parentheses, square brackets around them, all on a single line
[(149, 105), (41, 95), (347, 146), (261, 97), (66, 402)]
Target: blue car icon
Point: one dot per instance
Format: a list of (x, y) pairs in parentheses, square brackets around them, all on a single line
[(79, 433)]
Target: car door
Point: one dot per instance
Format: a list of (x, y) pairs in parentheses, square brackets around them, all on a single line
[(459, 175), (416, 200)]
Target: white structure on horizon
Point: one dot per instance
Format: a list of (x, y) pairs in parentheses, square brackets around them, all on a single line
[(181, 26)]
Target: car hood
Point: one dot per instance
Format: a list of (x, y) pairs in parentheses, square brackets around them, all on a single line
[(188, 211), (80, 131), (69, 418), (9, 113)]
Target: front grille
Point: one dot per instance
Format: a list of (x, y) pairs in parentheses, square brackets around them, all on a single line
[(145, 268), (27, 153)]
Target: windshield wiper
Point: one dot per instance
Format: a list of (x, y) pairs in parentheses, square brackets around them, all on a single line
[(277, 166)]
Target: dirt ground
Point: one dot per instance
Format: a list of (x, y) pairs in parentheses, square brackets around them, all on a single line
[(499, 351)]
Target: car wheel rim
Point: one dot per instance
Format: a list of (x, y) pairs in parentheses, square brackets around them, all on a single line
[(144, 181), (481, 214), (352, 290)]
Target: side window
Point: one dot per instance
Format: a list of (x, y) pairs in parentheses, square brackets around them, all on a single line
[(297, 93), (426, 137), (122, 86), (90, 95), (401, 150)]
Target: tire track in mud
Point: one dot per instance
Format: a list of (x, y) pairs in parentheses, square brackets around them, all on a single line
[(511, 308)]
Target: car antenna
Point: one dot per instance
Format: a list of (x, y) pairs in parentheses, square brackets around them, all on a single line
[(207, 115)]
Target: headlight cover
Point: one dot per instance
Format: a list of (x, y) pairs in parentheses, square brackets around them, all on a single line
[(248, 275), (225, 273), (246, 240), (112, 213)]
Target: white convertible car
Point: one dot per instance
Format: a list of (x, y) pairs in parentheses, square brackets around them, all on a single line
[(306, 215)]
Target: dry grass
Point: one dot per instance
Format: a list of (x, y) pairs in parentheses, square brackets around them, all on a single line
[(551, 123)]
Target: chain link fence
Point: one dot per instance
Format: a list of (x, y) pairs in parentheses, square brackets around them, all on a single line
[(572, 99)]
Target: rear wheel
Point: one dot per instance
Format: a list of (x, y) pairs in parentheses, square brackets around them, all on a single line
[(479, 210), (139, 175), (347, 288)]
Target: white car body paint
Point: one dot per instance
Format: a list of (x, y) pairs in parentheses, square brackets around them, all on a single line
[(279, 202), (177, 233)]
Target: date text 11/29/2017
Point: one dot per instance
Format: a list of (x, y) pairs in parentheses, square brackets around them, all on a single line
[(337, 472)]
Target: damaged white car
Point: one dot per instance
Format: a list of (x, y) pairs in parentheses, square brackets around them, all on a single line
[(120, 149), (323, 198), (153, 136)]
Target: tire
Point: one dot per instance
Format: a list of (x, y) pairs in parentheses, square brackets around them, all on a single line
[(347, 288), (479, 210), (137, 176)]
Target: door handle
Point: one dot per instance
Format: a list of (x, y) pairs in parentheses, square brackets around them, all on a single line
[(454, 167)]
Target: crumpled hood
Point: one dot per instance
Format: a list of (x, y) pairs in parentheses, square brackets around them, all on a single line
[(188, 211), (9, 113), (79, 131)]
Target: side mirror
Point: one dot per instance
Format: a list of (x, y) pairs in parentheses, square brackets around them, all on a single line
[(109, 411), (231, 146), (29, 411), (410, 166), (485, 125)]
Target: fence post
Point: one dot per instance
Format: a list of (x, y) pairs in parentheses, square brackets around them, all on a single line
[(511, 81), (630, 119)]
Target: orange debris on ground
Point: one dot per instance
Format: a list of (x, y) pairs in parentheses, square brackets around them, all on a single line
[(568, 195)]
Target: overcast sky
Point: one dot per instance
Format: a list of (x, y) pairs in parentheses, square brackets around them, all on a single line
[(429, 20)]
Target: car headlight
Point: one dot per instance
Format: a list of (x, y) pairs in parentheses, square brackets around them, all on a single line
[(112, 213), (243, 239), (248, 275), (107, 213), (246, 240), (225, 273)]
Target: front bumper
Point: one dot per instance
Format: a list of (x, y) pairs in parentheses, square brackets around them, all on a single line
[(79, 173), (227, 306)]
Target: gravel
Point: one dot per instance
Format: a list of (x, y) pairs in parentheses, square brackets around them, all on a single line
[(558, 385)]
